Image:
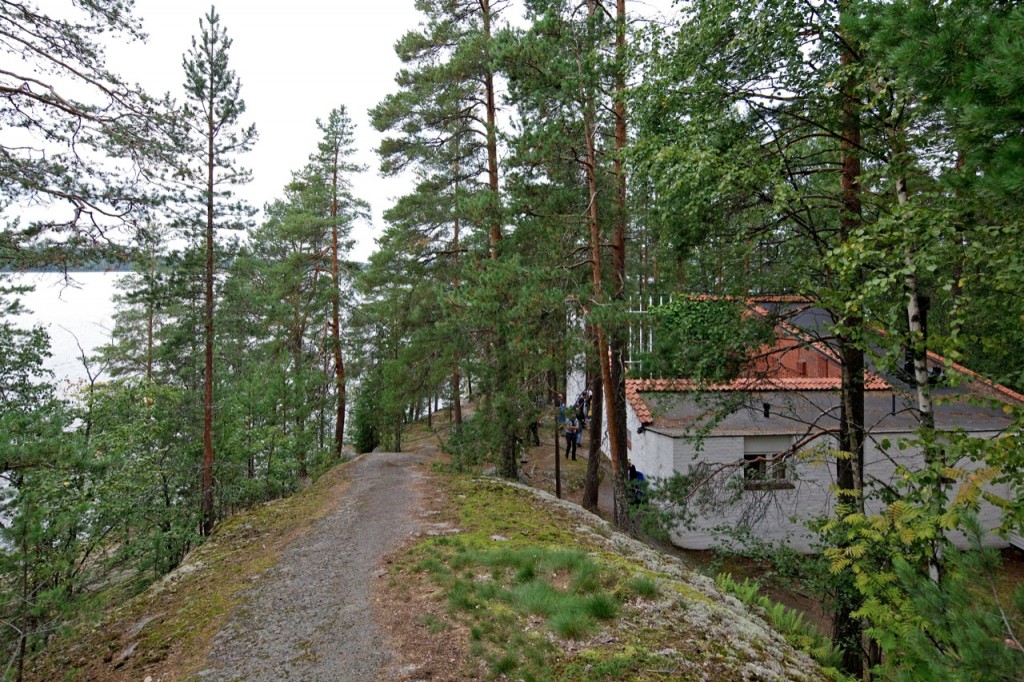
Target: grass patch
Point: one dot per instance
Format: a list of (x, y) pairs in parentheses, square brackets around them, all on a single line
[(522, 580), (601, 606), (538, 575), (643, 586), (537, 598), (504, 665), (614, 667), (573, 624), (432, 623)]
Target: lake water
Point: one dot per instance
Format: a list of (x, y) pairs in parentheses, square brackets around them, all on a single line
[(79, 313)]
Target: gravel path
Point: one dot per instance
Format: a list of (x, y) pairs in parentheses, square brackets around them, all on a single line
[(309, 618)]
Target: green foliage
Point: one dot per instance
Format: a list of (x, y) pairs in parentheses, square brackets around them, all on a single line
[(468, 445), (366, 414), (934, 621), (49, 534), (49, 484), (214, 135), (747, 116), (787, 621), (23, 379), (148, 498), (746, 591), (104, 505), (920, 511), (965, 627), (703, 339), (743, 116), (89, 143), (211, 138)]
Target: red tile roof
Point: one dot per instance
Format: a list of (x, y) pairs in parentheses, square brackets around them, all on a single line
[(634, 387), (782, 378), (764, 298)]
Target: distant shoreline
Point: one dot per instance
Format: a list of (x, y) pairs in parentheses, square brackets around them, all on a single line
[(101, 267)]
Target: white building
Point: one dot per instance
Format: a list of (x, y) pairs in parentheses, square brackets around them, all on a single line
[(765, 442)]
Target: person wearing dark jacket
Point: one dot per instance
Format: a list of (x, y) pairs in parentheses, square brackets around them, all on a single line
[(636, 484), (572, 426)]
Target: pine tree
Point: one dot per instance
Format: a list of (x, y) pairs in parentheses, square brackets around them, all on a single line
[(214, 137), (445, 117), (43, 512), (88, 144), (561, 75), (332, 167)]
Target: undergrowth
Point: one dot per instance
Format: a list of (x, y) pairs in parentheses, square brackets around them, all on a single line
[(175, 622), (789, 622)]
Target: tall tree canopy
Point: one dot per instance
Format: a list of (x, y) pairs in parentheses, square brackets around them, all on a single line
[(80, 145), (214, 137)]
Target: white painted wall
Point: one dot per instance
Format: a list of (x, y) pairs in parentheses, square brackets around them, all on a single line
[(575, 381), (777, 516)]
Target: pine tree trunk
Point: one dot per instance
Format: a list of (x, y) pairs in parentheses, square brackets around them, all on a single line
[(847, 630), (298, 332), (621, 498), (456, 398), (592, 484), (456, 388), (558, 462), (508, 464), (492, 137), (23, 608), (339, 363), (617, 344), (207, 490), (150, 314)]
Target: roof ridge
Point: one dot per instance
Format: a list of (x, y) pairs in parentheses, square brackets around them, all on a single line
[(755, 384)]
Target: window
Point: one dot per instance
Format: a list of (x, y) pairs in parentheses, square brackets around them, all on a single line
[(762, 472)]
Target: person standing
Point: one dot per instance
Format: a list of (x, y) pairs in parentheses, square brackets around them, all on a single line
[(637, 484), (538, 408), (581, 413), (572, 427)]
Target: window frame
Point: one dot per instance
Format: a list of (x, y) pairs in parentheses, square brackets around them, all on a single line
[(770, 474)]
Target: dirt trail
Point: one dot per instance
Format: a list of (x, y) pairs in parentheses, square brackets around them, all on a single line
[(539, 470), (310, 618)]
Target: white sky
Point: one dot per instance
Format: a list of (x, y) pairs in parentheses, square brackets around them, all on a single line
[(297, 60)]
